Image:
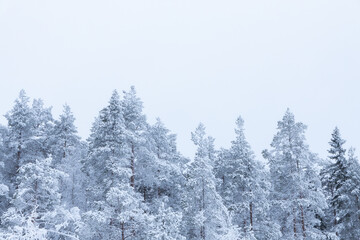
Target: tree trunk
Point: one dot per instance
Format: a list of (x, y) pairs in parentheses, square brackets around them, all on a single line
[(303, 221), (18, 157), (202, 229), (335, 221), (144, 194), (294, 221), (251, 216), (64, 155), (132, 166), (122, 231), (73, 190)]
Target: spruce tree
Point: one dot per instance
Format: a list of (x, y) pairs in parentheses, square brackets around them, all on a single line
[(340, 180)]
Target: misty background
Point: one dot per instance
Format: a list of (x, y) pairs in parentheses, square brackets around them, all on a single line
[(190, 61)]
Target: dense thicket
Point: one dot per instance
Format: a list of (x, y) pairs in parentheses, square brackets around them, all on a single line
[(128, 181)]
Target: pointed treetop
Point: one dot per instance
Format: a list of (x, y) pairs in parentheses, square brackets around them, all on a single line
[(22, 98), (239, 129), (131, 98), (20, 114), (115, 98), (67, 115), (198, 136), (288, 117), (240, 145), (22, 94), (205, 144), (336, 136), (239, 123), (66, 110), (337, 151), (288, 121)]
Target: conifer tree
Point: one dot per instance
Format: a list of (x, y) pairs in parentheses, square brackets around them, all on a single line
[(206, 217), (351, 221), (244, 187), (28, 133), (135, 125), (334, 176), (20, 134), (68, 151), (42, 124), (296, 188), (4, 189), (36, 212), (162, 177), (340, 180), (116, 210), (167, 224)]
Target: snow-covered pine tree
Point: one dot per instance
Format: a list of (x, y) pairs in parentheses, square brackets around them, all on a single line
[(244, 187), (65, 140), (20, 133), (28, 133), (42, 124), (68, 151), (135, 125), (115, 209), (296, 188), (35, 211), (166, 224), (205, 215), (340, 180), (4, 189), (164, 176), (333, 176), (351, 222)]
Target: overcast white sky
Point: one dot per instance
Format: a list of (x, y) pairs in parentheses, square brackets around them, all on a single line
[(191, 61)]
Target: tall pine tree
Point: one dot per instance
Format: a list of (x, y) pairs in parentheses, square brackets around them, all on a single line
[(296, 188), (340, 180), (206, 217), (244, 187)]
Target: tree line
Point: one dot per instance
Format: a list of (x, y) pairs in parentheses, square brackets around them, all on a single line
[(129, 181)]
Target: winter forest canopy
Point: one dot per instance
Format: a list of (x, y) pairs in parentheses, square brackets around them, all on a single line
[(128, 181)]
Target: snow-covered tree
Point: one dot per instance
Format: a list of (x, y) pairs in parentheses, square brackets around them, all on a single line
[(297, 196), (135, 125), (65, 140), (68, 151), (205, 215), (351, 222), (28, 133), (35, 206), (116, 210), (42, 124), (244, 187), (162, 175), (341, 179), (4, 189), (18, 141), (166, 224)]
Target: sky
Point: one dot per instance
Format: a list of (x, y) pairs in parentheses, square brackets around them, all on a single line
[(191, 61)]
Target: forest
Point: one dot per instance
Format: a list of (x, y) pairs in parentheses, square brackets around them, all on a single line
[(127, 180)]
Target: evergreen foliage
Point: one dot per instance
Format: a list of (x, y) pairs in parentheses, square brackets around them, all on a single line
[(128, 180)]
